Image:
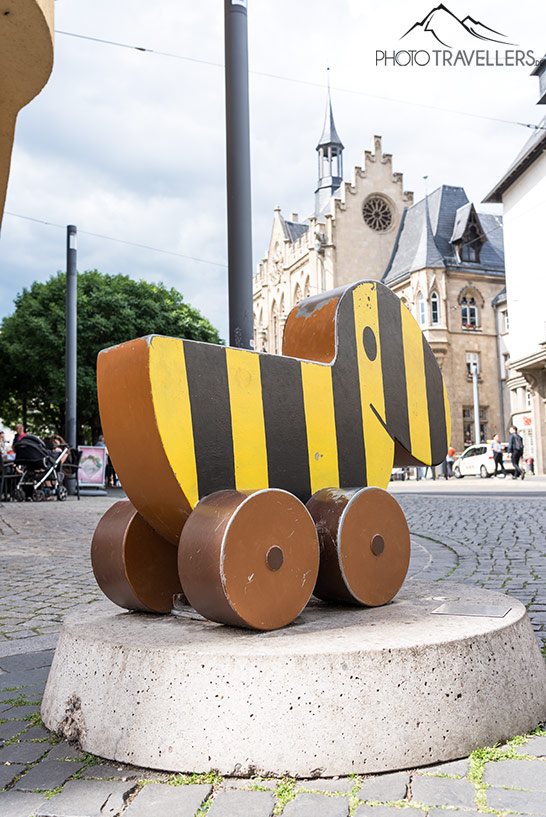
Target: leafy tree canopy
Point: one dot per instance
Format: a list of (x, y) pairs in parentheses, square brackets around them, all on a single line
[(111, 309)]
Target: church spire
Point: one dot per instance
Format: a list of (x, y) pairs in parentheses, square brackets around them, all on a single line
[(330, 159)]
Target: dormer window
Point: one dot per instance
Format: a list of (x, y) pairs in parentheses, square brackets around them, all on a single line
[(471, 245), (468, 235)]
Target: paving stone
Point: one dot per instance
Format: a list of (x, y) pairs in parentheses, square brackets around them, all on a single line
[(342, 784), (249, 782), (527, 802), (22, 752), (49, 774), (36, 733), (27, 661), (317, 805), (23, 678), (168, 801), (389, 811), (107, 771), (9, 729), (19, 803), (8, 773), (456, 768), (65, 751), (385, 787), (87, 798), (517, 774), (21, 712), (536, 747), (247, 803), (441, 791)]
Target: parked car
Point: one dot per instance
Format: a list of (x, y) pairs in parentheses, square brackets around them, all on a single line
[(477, 460), (400, 474)]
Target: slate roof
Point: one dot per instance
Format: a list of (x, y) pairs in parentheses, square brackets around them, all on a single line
[(531, 150), (461, 219), (294, 229), (329, 132), (426, 233)]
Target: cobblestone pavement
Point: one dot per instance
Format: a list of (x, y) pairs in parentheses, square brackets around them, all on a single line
[(482, 532)]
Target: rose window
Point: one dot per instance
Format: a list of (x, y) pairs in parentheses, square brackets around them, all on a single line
[(377, 214)]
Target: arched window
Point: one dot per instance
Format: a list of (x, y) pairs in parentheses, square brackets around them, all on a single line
[(297, 294), (469, 311), (421, 310), (306, 289), (434, 308)]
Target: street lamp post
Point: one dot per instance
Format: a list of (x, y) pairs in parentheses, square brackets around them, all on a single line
[(71, 338), (475, 372), (238, 175)]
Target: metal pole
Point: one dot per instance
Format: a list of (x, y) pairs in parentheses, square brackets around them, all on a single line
[(238, 175), (502, 372), (71, 336), (477, 435)]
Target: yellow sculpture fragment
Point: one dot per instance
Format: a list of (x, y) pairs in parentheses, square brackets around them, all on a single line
[(26, 60)]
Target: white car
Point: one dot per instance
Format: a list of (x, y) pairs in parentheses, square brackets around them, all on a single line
[(477, 460)]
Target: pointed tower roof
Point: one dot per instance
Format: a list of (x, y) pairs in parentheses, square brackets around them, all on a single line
[(329, 132)]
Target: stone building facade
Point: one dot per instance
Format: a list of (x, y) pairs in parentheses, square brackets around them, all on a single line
[(443, 259), (350, 235), (448, 269), (522, 191)]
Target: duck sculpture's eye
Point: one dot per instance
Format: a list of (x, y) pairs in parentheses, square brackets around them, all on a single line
[(369, 342)]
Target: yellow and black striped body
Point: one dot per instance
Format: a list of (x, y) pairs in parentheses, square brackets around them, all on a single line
[(208, 418)]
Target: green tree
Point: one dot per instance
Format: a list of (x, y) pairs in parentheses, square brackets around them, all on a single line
[(111, 309)]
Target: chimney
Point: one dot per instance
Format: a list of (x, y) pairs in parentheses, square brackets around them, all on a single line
[(540, 72), (294, 217)]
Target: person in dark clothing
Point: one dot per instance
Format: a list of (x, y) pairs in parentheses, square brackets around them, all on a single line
[(515, 448), (19, 433)]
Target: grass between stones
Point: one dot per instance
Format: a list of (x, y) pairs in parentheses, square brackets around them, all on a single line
[(285, 791), (492, 754), (213, 778)]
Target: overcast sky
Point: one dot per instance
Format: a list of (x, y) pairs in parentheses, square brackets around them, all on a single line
[(131, 145)]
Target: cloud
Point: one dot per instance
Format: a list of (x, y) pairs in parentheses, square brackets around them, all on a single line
[(131, 145)]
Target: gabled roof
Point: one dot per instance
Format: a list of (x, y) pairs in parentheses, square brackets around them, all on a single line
[(427, 231), (530, 152), (461, 220)]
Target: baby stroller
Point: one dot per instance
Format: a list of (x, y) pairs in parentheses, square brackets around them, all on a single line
[(41, 470)]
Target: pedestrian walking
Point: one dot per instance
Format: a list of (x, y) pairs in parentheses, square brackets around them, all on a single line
[(450, 459), (515, 448), (497, 449)]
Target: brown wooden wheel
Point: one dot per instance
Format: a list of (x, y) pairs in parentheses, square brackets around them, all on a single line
[(364, 545), (133, 565), (249, 559)]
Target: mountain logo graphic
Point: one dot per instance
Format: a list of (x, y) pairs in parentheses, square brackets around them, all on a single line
[(448, 30)]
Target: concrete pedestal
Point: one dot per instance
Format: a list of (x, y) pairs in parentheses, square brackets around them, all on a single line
[(341, 690)]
